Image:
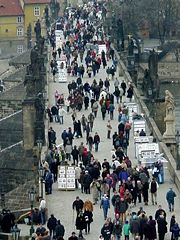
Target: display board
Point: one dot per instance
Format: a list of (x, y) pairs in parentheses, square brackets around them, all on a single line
[(66, 178), (140, 140), (101, 47), (138, 125), (132, 107), (61, 75)]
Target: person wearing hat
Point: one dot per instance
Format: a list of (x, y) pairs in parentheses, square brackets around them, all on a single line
[(117, 227)]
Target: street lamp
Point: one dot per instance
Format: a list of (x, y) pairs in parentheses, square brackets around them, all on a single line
[(41, 175), (39, 143), (177, 151), (15, 232), (32, 194)]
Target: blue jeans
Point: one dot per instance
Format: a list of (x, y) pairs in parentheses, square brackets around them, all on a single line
[(61, 119), (96, 146), (105, 211), (117, 237), (43, 216)]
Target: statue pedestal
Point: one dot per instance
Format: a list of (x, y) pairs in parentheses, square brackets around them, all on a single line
[(169, 135), (29, 113)]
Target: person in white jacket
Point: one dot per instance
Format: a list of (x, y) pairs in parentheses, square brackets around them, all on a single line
[(61, 112)]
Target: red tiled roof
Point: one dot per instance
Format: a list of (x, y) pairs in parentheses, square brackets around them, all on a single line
[(10, 8), (36, 1)]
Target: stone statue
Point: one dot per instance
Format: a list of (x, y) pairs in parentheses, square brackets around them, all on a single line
[(153, 63), (169, 134), (34, 61), (169, 103), (39, 105), (37, 30), (131, 48)]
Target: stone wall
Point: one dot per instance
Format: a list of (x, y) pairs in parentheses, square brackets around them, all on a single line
[(16, 167), (11, 130), (18, 198)]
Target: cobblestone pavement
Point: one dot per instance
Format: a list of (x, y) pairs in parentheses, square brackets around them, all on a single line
[(60, 202)]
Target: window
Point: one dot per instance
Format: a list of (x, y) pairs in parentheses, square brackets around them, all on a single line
[(20, 49), (19, 19), (36, 11), (20, 31)]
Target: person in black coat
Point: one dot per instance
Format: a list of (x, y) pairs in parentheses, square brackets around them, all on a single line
[(75, 155), (87, 181), (162, 227), (86, 102), (51, 224), (88, 216), (80, 223)]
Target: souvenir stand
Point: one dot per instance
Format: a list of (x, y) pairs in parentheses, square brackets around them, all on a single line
[(66, 178), (132, 107), (141, 139), (138, 125), (62, 71)]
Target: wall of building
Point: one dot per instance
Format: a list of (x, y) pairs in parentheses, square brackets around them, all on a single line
[(30, 18), (8, 27), (11, 130)]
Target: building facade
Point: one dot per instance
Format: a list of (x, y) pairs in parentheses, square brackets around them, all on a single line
[(15, 16)]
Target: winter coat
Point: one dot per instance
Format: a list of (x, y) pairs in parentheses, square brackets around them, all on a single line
[(105, 203), (87, 181), (106, 232), (51, 224), (126, 229), (135, 226), (88, 216), (121, 206), (117, 227), (162, 225), (80, 222), (68, 148), (95, 191), (95, 107), (170, 196), (59, 230)]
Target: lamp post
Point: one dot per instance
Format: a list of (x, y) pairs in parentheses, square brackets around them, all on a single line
[(41, 175), (32, 195), (39, 143), (15, 232), (177, 151)]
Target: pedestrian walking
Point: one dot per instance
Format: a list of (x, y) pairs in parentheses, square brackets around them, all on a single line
[(96, 141), (170, 195), (109, 128), (153, 189), (162, 227), (77, 204), (59, 230), (88, 216), (105, 205), (51, 224), (80, 223)]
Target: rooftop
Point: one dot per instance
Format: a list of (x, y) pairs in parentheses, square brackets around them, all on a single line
[(10, 8), (36, 1)]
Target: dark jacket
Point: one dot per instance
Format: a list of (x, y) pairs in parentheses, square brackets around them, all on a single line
[(51, 224), (80, 222), (59, 230)]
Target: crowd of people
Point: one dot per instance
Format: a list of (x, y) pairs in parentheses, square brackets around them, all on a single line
[(115, 183)]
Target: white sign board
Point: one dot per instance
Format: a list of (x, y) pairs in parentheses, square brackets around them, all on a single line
[(66, 178), (138, 125), (61, 75), (140, 140), (132, 108), (102, 47), (148, 147)]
